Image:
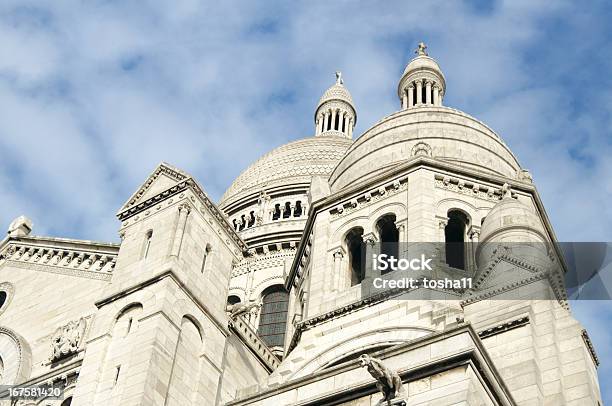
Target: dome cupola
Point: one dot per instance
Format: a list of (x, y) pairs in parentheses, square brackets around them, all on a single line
[(422, 83), (335, 114)]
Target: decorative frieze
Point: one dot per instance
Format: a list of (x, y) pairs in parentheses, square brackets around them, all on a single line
[(85, 263), (468, 188), (369, 197)]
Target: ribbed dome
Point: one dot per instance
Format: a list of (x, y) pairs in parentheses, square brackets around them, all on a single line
[(336, 92), (508, 214), (295, 162)]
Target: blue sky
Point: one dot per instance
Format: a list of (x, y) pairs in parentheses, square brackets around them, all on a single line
[(93, 95)]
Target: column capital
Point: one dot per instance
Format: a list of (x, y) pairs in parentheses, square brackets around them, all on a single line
[(184, 207)]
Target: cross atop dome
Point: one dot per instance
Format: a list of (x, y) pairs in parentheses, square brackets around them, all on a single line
[(421, 49), (339, 80)]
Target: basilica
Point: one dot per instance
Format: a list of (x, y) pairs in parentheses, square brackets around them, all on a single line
[(264, 298)]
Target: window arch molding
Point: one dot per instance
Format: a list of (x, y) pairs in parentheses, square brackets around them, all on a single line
[(272, 325), (17, 357), (9, 290), (391, 208), (258, 291), (475, 214)]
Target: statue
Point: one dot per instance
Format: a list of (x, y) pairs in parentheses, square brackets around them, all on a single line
[(388, 382), (421, 50), (66, 339), (506, 191)]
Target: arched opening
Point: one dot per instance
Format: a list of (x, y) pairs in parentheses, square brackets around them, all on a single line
[(3, 297), (185, 372), (298, 209), (273, 316), (414, 95), (67, 401), (242, 223), (232, 300), (389, 237), (251, 219), (454, 235), (277, 212), (287, 211), (423, 94), (354, 247)]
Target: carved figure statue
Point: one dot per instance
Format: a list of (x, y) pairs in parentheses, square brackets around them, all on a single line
[(388, 382), (240, 308), (421, 50), (66, 339)]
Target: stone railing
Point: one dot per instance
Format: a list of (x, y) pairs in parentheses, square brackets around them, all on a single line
[(252, 340)]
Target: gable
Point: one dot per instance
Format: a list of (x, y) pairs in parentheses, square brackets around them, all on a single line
[(163, 177)]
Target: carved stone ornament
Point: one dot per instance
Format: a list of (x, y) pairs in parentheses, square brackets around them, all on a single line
[(67, 338), (388, 382)]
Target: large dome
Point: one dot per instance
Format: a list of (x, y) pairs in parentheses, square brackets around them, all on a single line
[(295, 162), (440, 132)]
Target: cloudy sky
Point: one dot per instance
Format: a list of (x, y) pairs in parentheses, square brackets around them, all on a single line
[(93, 95)]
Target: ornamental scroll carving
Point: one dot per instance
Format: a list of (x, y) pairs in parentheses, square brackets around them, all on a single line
[(67, 338)]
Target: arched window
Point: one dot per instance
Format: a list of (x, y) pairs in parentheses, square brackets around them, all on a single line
[(184, 375), (298, 209), (233, 299), (454, 234), (389, 236), (251, 219), (147, 244), (127, 320), (354, 247), (287, 211), (3, 296), (67, 401), (273, 317), (277, 212)]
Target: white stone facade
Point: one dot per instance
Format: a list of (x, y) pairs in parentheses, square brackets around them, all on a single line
[(255, 301)]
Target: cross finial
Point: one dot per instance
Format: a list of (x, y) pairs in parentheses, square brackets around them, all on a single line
[(339, 80), (421, 50)]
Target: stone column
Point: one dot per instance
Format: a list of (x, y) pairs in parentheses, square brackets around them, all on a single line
[(350, 128), (419, 98), (404, 100), (370, 243), (317, 126), (440, 97), (428, 92), (410, 95), (325, 121), (436, 95), (401, 229), (184, 210), (338, 256)]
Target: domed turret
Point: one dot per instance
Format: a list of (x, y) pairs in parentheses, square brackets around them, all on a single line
[(512, 221), (422, 82), (335, 113)]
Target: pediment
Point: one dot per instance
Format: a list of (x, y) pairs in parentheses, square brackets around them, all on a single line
[(504, 273), (163, 177)]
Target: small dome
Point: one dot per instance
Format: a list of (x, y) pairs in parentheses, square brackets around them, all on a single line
[(422, 62), (336, 92), (509, 214)]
